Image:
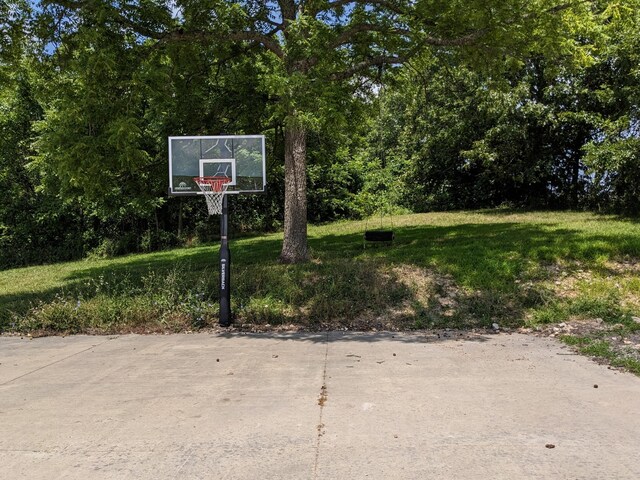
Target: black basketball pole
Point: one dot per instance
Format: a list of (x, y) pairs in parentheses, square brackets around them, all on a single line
[(225, 267)]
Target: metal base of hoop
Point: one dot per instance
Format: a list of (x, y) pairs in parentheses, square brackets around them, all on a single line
[(225, 318)]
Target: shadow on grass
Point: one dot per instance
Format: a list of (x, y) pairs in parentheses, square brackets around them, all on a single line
[(199, 258), (485, 255), (136, 267), (594, 216), (488, 264)]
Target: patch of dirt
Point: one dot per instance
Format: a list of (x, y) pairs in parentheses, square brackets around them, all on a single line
[(575, 327), (432, 291), (566, 280), (623, 342), (432, 296), (624, 267), (566, 286)]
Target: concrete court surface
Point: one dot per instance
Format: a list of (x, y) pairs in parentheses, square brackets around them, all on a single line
[(312, 406)]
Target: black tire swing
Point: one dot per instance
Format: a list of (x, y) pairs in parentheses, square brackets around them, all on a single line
[(380, 236)]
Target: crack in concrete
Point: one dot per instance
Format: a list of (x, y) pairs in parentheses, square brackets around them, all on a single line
[(188, 457), (322, 400), (57, 361)]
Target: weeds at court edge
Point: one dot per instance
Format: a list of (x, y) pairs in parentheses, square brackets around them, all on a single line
[(464, 270)]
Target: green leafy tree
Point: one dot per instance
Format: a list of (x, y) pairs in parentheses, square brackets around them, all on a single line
[(457, 136), (315, 52), (35, 226), (613, 156)]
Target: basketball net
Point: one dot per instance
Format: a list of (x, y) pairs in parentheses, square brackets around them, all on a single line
[(214, 189)]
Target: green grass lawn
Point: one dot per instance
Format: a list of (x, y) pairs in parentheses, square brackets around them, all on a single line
[(459, 270)]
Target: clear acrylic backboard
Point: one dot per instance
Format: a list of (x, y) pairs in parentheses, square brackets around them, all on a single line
[(242, 158)]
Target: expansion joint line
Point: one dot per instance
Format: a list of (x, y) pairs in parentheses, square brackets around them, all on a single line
[(322, 400), (54, 362)]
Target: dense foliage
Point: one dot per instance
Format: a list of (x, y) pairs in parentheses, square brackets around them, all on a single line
[(522, 116)]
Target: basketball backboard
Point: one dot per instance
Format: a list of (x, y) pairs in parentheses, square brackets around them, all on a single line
[(242, 158)]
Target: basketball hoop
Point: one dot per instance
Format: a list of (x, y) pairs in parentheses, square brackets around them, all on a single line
[(214, 189)]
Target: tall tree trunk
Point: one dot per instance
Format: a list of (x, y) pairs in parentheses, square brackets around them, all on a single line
[(294, 246)]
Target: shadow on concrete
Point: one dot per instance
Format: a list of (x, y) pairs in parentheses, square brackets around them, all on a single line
[(363, 337)]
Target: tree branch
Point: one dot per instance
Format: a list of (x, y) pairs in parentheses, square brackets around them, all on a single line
[(276, 26), (369, 62), (179, 35), (395, 7), (347, 35), (463, 40), (566, 6), (268, 42), (78, 5), (287, 9), (388, 4)]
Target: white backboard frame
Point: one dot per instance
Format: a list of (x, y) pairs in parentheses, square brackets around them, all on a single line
[(232, 161)]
